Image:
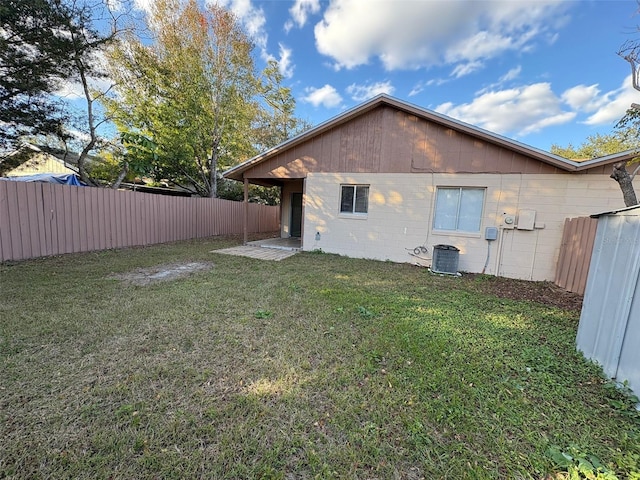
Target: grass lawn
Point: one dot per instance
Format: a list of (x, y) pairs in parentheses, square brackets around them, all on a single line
[(318, 366)]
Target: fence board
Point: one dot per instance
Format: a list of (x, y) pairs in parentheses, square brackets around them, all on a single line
[(14, 219), (575, 253), (40, 222), (39, 219), (50, 237)]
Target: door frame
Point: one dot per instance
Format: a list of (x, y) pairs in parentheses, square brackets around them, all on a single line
[(292, 212)]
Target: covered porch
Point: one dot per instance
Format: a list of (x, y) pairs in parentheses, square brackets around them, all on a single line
[(291, 212)]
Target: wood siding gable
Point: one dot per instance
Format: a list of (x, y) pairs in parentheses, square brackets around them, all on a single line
[(385, 136)]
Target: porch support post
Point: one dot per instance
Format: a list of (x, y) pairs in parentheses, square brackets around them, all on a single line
[(245, 219)]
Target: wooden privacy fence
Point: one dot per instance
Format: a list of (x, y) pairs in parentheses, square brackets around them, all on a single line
[(572, 269), (38, 219)]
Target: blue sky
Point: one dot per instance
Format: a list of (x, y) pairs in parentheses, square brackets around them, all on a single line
[(542, 72)]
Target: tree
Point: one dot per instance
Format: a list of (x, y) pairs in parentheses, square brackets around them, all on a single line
[(629, 125), (190, 92), (43, 42), (631, 122), (624, 138), (35, 56), (87, 44), (276, 121)]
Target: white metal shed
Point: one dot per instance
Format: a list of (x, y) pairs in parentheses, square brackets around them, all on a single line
[(609, 330)]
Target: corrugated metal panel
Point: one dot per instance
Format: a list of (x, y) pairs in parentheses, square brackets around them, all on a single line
[(629, 363), (609, 330)]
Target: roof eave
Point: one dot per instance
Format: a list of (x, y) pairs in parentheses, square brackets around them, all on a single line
[(625, 156)]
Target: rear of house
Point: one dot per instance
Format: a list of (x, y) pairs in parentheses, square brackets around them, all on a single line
[(387, 178), (405, 211)]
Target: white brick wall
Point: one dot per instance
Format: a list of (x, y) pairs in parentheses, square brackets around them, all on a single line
[(401, 214)]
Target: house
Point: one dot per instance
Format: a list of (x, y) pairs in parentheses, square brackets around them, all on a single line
[(33, 160), (388, 180), (39, 163)]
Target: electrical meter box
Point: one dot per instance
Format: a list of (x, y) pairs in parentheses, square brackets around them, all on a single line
[(508, 221), (526, 219), (491, 233)]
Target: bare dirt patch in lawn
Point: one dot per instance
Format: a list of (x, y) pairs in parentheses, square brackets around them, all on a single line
[(546, 293), (162, 273)]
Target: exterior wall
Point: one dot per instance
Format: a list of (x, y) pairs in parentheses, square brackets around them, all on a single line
[(401, 214), (42, 163)]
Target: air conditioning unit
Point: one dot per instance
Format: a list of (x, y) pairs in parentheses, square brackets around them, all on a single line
[(445, 259)]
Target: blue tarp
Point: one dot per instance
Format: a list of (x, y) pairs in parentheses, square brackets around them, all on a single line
[(60, 178)]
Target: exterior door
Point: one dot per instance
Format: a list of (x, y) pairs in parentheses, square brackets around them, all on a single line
[(296, 215)]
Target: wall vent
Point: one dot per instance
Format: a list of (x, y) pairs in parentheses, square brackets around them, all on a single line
[(445, 259)]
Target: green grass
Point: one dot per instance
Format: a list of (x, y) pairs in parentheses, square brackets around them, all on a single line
[(318, 366)]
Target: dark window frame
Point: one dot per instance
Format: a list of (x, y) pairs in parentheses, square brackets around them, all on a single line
[(357, 201)]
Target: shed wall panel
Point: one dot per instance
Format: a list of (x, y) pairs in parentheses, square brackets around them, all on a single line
[(609, 329)]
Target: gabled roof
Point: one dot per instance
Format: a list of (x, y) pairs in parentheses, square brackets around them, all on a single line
[(562, 163), (28, 151)]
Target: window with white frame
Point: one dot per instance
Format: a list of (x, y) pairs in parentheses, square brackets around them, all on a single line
[(354, 199), (458, 209)]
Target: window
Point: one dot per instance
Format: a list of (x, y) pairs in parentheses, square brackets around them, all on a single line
[(354, 199), (459, 209)]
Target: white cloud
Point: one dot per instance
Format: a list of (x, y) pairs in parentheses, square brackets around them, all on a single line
[(421, 85), (604, 108), (417, 89), (511, 74), (611, 106), (463, 69), (252, 19), (300, 13), (144, 5), (360, 93), (582, 97), (421, 33), (506, 78), (284, 64), (326, 96), (72, 89), (78, 135), (115, 5), (516, 111)]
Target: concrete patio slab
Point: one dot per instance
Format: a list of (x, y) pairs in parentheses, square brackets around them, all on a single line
[(261, 253)]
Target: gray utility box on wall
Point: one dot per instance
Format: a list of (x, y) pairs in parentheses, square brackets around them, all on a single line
[(445, 259)]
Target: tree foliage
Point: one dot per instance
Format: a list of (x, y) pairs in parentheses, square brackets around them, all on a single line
[(598, 145), (44, 43), (276, 120), (190, 92), (35, 56), (186, 101), (625, 137)]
